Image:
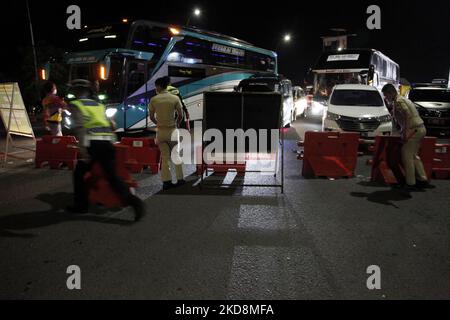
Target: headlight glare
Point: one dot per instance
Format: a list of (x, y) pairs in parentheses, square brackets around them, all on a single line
[(111, 112)]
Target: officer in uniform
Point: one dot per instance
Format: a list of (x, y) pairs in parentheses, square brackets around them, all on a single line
[(163, 108), (412, 132), (96, 137)]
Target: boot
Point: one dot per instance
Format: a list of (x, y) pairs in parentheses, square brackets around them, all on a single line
[(138, 206)]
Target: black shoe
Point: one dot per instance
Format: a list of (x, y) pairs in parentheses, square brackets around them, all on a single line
[(424, 185), (77, 209), (138, 206), (168, 185), (408, 188), (180, 183)]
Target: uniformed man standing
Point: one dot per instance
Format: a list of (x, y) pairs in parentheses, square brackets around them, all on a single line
[(95, 135), (166, 112), (412, 132)]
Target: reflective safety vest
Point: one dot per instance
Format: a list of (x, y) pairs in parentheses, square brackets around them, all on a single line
[(95, 121)]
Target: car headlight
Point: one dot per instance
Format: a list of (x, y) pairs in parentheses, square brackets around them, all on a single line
[(333, 116), (386, 118), (422, 111), (111, 112)]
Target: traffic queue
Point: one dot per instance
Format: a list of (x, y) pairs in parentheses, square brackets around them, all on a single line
[(119, 92)]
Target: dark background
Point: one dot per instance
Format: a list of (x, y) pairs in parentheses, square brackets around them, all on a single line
[(414, 33)]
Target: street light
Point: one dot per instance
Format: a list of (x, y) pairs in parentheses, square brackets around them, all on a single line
[(287, 38), (196, 12)]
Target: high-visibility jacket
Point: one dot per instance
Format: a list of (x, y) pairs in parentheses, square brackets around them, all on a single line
[(94, 120)]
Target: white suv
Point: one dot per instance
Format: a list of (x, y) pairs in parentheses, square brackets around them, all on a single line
[(357, 108)]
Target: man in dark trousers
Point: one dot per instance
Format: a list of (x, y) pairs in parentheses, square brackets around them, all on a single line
[(96, 137)]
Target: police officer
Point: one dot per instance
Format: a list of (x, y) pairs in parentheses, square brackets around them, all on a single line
[(412, 132), (163, 108), (95, 135)]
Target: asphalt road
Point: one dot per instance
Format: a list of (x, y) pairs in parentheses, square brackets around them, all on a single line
[(314, 242)]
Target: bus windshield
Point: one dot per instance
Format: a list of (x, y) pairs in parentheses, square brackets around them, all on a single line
[(109, 88), (327, 81)]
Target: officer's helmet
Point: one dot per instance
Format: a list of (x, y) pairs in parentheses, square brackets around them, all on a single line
[(81, 89)]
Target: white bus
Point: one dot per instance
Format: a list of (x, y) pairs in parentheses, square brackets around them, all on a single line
[(353, 66)]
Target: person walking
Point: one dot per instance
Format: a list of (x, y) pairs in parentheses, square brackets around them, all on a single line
[(166, 112), (95, 135)]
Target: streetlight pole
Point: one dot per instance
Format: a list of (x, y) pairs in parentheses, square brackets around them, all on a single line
[(36, 73)]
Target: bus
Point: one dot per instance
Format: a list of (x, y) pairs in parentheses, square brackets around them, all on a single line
[(124, 60), (353, 66)]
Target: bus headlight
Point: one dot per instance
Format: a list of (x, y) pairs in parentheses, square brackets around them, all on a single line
[(111, 112)]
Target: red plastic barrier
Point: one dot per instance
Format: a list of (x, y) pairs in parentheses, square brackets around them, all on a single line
[(441, 163), (100, 192), (141, 153), (220, 169), (387, 161), (329, 154), (56, 151)]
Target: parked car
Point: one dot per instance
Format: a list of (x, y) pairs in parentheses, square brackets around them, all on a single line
[(272, 84), (433, 104), (357, 108), (300, 102)]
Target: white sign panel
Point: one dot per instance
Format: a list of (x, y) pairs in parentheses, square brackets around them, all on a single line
[(13, 111), (343, 57), (228, 50)]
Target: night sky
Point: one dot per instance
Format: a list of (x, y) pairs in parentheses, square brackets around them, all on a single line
[(414, 33)]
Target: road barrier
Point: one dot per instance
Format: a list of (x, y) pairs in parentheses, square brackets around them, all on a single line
[(56, 152), (387, 160), (441, 163), (101, 192), (221, 169), (329, 154), (140, 153)]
